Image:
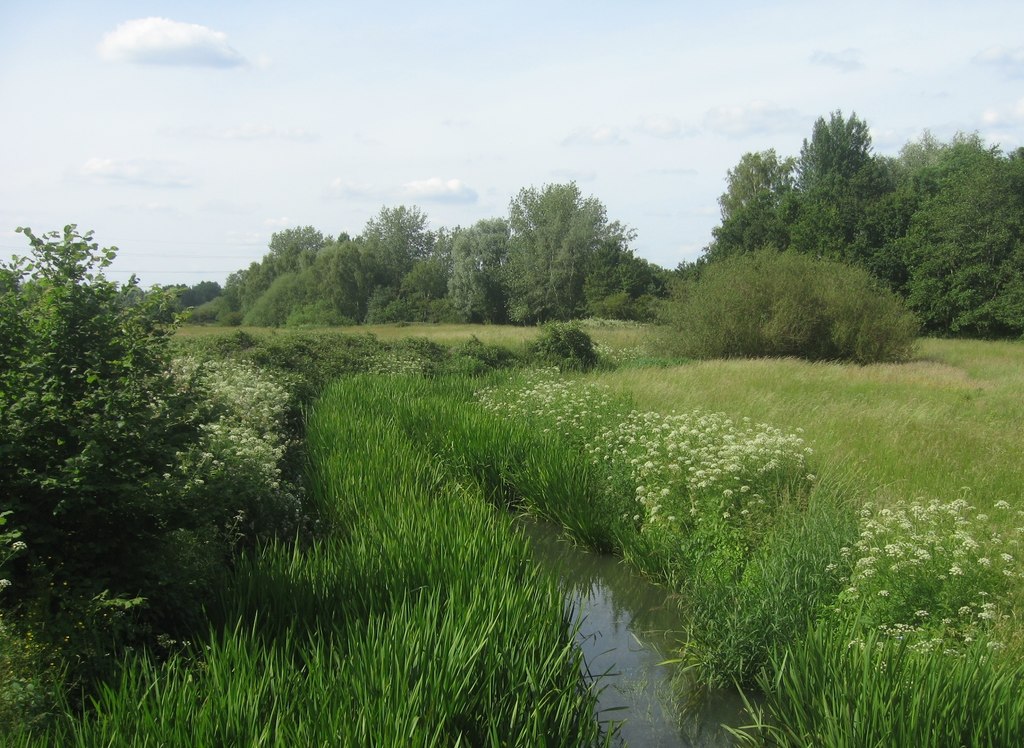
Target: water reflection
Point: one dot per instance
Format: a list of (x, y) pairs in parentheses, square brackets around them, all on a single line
[(627, 630)]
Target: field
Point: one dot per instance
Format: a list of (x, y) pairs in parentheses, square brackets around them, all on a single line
[(845, 541)]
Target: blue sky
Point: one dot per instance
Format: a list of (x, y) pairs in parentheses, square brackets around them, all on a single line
[(186, 133)]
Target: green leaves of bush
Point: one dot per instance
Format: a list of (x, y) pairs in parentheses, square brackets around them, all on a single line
[(565, 345), (786, 304)]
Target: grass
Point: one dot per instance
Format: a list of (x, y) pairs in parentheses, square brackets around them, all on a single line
[(418, 619), (879, 692), (616, 335), (932, 445), (946, 422), (422, 601)]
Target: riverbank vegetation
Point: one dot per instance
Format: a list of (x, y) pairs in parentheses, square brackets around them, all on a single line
[(815, 519)]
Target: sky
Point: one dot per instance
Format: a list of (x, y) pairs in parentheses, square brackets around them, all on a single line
[(186, 133)]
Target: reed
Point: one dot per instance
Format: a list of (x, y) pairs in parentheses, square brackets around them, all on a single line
[(839, 687), (419, 619)]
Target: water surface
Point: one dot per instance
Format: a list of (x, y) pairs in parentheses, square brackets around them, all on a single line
[(628, 629)]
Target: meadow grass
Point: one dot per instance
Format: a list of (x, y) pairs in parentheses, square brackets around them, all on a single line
[(880, 692), (909, 538), (614, 335), (509, 336), (945, 423)]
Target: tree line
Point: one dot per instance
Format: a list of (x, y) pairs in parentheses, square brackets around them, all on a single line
[(941, 223), (556, 256)]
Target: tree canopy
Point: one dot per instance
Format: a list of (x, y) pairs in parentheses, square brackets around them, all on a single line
[(941, 224)]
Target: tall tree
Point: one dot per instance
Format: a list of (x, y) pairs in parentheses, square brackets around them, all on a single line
[(966, 243), (838, 179), (477, 288), (555, 233), (752, 216), (291, 250), (397, 238)]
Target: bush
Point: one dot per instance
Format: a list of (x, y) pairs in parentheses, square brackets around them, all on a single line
[(474, 357), (318, 314), (124, 483), (90, 425), (565, 345), (89, 416), (786, 304)]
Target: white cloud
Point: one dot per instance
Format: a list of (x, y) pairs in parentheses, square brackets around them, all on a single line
[(438, 190), (601, 135), (753, 119), (161, 41), (434, 190), (1011, 61), (136, 172), (277, 222), (664, 127), (1012, 116), (340, 187), (846, 60)]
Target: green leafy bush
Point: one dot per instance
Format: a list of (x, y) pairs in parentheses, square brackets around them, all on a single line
[(786, 304), (474, 357), (565, 345), (89, 416), (127, 482)]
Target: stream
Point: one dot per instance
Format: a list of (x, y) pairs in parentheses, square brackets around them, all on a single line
[(626, 633)]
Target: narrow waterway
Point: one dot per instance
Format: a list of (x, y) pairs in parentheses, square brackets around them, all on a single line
[(627, 631)]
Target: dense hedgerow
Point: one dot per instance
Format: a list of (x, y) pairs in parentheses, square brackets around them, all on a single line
[(312, 360), (786, 304)]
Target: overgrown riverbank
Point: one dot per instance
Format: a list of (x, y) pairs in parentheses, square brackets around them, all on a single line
[(793, 583)]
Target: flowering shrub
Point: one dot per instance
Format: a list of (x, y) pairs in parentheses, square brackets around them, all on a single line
[(236, 465), (939, 572), (701, 484)]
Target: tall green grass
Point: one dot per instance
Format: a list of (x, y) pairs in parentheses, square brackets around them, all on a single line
[(839, 687), (419, 619)]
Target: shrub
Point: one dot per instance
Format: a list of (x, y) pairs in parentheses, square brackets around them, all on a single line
[(91, 423), (787, 304), (565, 345), (474, 357), (89, 416)]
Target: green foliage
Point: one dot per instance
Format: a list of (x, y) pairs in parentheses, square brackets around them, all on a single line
[(556, 233), (772, 304), (965, 242), (316, 314), (90, 419), (474, 357), (432, 647), (834, 688), (936, 575), (132, 481), (478, 286), (942, 224), (565, 345), (759, 187), (28, 678)]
